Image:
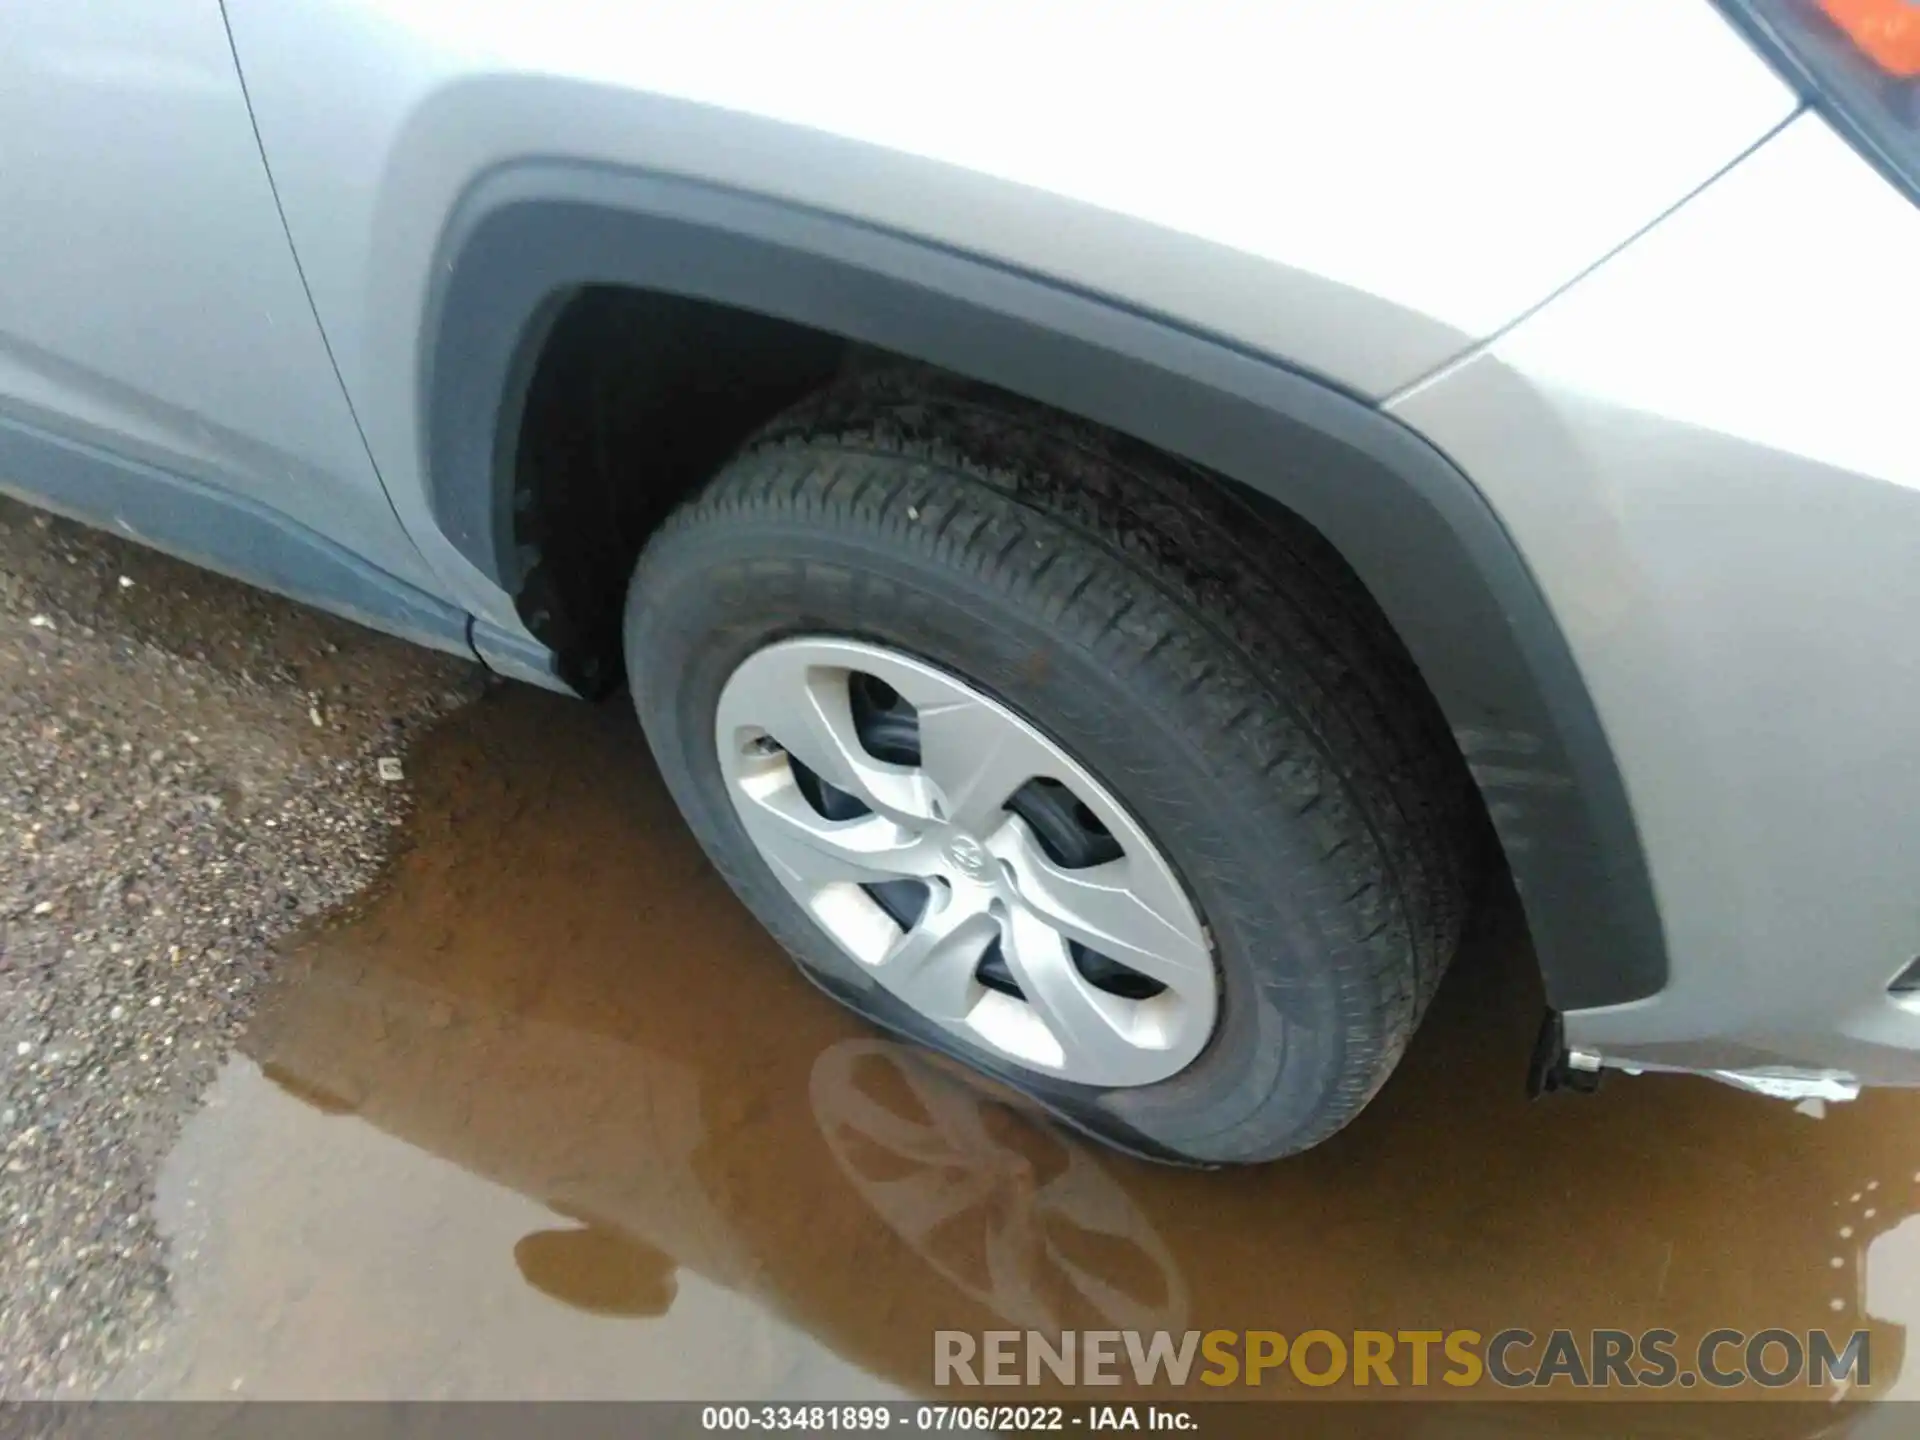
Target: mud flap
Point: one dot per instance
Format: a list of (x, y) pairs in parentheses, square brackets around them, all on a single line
[(1551, 1069)]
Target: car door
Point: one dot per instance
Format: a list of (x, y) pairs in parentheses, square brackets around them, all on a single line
[(153, 320)]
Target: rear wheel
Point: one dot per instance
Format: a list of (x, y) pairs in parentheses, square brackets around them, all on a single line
[(1038, 749)]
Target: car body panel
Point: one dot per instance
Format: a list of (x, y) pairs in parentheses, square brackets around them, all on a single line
[(1064, 141), (1414, 529), (1706, 451), (150, 304)]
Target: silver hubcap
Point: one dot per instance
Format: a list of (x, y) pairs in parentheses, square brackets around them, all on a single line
[(934, 871)]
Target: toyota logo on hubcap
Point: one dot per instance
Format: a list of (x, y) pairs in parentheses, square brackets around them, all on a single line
[(968, 855)]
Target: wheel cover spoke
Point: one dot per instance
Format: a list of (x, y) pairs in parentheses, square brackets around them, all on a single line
[(976, 760), (932, 968), (1119, 909), (801, 843), (990, 888), (805, 705), (1082, 1020)]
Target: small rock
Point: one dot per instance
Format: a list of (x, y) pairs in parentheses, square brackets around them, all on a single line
[(41, 622), (126, 582), (389, 769)]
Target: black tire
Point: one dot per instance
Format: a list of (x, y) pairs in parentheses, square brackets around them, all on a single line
[(1215, 664)]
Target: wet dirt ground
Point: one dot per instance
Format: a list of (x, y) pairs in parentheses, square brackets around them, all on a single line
[(548, 1116), (188, 772)]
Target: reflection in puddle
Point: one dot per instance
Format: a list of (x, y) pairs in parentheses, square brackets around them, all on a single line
[(1011, 1212), (599, 1271), (551, 1116)]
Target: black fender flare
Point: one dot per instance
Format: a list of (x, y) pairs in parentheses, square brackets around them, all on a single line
[(1411, 524)]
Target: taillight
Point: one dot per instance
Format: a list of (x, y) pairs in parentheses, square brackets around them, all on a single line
[(1857, 62), (1887, 32)]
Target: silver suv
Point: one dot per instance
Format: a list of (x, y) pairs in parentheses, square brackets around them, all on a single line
[(1111, 515)]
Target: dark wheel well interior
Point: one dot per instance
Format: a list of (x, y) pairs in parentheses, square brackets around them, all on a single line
[(635, 398)]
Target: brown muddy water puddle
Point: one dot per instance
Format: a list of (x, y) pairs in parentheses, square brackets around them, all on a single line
[(551, 1117)]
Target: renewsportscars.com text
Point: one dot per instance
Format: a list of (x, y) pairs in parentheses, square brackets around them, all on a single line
[(1511, 1358)]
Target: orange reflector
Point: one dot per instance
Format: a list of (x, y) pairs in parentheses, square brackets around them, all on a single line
[(1886, 31)]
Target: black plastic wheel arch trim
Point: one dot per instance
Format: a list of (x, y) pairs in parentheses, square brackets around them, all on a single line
[(1417, 531)]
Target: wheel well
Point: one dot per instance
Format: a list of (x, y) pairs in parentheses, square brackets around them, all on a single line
[(537, 502), (635, 398)]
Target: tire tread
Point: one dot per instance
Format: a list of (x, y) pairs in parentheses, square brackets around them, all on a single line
[(1241, 609)]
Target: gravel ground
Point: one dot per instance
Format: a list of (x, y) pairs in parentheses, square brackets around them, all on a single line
[(188, 769)]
